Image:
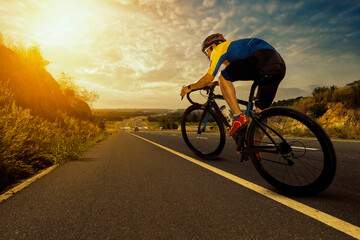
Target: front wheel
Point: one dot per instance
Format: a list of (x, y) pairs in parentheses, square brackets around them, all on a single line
[(296, 156), (203, 131)]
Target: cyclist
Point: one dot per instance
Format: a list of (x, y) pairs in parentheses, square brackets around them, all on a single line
[(245, 59)]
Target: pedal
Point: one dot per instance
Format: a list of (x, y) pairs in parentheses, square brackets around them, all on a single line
[(236, 136), (239, 138), (240, 141), (243, 156), (240, 131)]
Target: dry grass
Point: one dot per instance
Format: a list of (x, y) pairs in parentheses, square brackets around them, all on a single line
[(30, 142)]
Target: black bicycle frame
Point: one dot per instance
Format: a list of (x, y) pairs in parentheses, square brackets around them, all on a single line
[(210, 103)]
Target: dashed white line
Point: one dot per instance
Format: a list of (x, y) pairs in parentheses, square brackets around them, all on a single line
[(307, 148)]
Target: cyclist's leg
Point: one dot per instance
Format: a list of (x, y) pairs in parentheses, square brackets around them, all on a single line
[(271, 64), (272, 70), (266, 91), (229, 94), (228, 90), (265, 95), (240, 70), (237, 71)]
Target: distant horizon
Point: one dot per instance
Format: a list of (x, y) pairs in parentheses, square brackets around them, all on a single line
[(134, 108), (138, 54)]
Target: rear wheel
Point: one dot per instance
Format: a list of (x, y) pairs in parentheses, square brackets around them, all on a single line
[(203, 131), (300, 159)]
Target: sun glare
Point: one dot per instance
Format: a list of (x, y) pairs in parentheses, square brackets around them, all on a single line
[(59, 23)]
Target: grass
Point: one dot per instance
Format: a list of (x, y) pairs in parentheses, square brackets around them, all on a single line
[(153, 126), (29, 143), (112, 126), (337, 109)]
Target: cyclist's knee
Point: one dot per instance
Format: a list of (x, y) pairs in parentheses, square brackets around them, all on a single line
[(223, 81)]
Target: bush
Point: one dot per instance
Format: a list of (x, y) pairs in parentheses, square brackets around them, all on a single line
[(29, 143), (318, 109), (36, 130), (287, 102), (338, 132), (168, 121), (304, 104), (69, 88), (355, 92), (340, 95)]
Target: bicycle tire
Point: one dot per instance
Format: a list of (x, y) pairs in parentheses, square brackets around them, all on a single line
[(212, 140), (301, 175)]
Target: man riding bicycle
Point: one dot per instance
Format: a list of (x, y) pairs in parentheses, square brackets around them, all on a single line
[(245, 59)]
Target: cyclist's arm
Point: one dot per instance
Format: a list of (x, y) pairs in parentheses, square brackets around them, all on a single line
[(202, 82), (218, 56)]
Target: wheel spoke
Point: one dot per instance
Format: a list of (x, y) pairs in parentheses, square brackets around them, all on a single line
[(203, 132), (299, 160)]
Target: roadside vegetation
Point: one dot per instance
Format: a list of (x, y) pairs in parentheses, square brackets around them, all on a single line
[(166, 121), (154, 119), (121, 114), (337, 109), (43, 121)]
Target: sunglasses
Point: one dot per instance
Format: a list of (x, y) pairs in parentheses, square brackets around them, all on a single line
[(206, 49)]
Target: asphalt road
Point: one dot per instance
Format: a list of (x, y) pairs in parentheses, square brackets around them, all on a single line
[(127, 188), (344, 193)]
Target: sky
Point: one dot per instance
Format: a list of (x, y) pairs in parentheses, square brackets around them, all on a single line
[(139, 53)]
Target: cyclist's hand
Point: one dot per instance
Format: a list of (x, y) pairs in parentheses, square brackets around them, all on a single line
[(184, 91)]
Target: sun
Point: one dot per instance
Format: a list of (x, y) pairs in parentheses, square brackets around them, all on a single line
[(59, 23)]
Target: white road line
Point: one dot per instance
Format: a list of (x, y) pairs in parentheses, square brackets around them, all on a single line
[(312, 149), (202, 137), (325, 218)]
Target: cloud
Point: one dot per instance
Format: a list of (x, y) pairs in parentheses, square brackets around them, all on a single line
[(271, 7), (248, 20), (209, 3), (257, 7), (142, 51)]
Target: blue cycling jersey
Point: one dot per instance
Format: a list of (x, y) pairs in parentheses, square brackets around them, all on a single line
[(232, 51)]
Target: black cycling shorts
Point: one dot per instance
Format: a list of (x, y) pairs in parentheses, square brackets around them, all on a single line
[(260, 63)]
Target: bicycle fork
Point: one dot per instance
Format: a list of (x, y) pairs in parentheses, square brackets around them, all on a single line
[(204, 118)]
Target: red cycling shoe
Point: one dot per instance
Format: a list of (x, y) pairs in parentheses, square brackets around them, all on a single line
[(245, 157), (237, 123)]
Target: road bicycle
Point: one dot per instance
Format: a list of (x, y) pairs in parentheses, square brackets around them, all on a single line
[(289, 149)]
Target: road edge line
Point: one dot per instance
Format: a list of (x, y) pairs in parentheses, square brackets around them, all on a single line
[(325, 218), (23, 185)]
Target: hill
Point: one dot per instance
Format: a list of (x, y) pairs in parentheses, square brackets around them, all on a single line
[(42, 121), (24, 74), (337, 109)]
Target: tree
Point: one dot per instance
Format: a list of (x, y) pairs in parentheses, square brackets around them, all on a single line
[(332, 90), (317, 110), (1, 39), (355, 92), (70, 89), (319, 93)]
